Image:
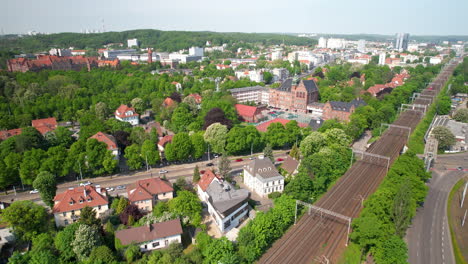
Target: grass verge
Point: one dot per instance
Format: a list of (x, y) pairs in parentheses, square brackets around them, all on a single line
[(459, 259)]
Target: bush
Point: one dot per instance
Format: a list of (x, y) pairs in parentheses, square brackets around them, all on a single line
[(274, 195)]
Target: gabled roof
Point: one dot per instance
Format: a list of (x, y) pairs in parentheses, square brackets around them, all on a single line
[(246, 110), (206, 179), (108, 139), (224, 198), (263, 127), (145, 189), (123, 109), (263, 169), (290, 165), (45, 125), (197, 97), (310, 85), (148, 233), (5, 134), (166, 139), (168, 102), (70, 199), (345, 106)]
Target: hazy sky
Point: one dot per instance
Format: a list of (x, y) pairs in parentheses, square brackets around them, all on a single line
[(417, 17)]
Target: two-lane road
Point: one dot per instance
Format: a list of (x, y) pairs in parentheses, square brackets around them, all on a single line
[(429, 235)]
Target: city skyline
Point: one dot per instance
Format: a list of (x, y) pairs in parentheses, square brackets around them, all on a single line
[(317, 16)]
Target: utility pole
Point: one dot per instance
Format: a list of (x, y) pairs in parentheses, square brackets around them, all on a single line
[(81, 174), (209, 152), (251, 149), (146, 159)]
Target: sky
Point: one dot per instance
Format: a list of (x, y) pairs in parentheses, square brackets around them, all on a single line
[(417, 17)]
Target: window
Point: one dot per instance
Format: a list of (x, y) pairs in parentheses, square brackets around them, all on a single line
[(156, 244), (64, 213), (89, 199), (71, 202), (146, 246), (166, 242), (99, 207), (81, 201), (66, 222), (73, 212)]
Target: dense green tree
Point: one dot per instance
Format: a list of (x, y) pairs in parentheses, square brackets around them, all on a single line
[(31, 164), (150, 152), (402, 209), (444, 136), (88, 217), (187, 204), (312, 143), (216, 135), (336, 136), (26, 218), (181, 118), (196, 174), (276, 135), (53, 163), (295, 153), (392, 251), (220, 251), (60, 137), (444, 105), (63, 240), (133, 156), (180, 148), (368, 232), (225, 167), (28, 139), (102, 254), (138, 104), (86, 239), (101, 110), (138, 135), (46, 184), (199, 145), (99, 160), (301, 187), (243, 140), (132, 253), (461, 115)]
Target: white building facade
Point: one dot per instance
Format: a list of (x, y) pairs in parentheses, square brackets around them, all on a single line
[(261, 177)]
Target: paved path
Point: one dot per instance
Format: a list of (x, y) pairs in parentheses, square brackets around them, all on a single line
[(429, 236), (174, 172)]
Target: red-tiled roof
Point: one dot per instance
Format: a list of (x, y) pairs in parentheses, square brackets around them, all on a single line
[(120, 112), (45, 125), (166, 139), (70, 199), (197, 97), (168, 102), (148, 233), (5, 134), (246, 110), (264, 126), (145, 189), (108, 139), (206, 179)]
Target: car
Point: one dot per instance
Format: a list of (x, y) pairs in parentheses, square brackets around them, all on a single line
[(109, 189), (216, 156), (86, 183), (251, 158), (279, 159), (202, 171), (209, 164), (163, 171), (239, 160), (121, 187), (460, 168), (34, 191)]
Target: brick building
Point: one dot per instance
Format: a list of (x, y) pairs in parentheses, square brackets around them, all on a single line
[(340, 110), (294, 95), (47, 62), (248, 113)]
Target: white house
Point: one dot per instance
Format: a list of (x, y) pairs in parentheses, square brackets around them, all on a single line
[(152, 236), (261, 177), (226, 205), (68, 205), (254, 75), (127, 114), (132, 42)]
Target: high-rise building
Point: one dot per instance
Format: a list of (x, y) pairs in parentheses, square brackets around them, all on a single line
[(401, 41), (361, 46), (322, 43), (334, 43), (196, 51), (382, 58)]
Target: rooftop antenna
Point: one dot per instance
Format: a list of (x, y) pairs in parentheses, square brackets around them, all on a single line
[(103, 27)]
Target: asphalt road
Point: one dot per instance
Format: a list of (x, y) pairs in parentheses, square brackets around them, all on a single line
[(429, 236), (174, 172)]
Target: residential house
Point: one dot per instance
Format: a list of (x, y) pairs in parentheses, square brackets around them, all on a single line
[(152, 236), (5, 134), (109, 63), (263, 127), (294, 95), (290, 165), (261, 176), (226, 205), (197, 97), (177, 85), (127, 114), (68, 205), (340, 110), (249, 113), (168, 102), (147, 192), (6, 235), (45, 125), (110, 142), (254, 75), (163, 141)]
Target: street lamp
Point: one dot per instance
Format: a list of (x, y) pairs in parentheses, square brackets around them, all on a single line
[(79, 164)]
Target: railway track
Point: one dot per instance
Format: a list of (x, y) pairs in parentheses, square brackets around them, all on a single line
[(317, 237)]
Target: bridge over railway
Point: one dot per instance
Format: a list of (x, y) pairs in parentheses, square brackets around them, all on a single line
[(315, 237)]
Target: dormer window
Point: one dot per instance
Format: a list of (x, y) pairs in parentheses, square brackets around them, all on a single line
[(89, 199), (71, 202), (81, 201)]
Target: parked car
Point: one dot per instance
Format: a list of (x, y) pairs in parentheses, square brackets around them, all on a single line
[(202, 171), (239, 160), (163, 171), (216, 156), (109, 189), (209, 164), (251, 158), (121, 187), (279, 159), (460, 168), (34, 191), (86, 183)]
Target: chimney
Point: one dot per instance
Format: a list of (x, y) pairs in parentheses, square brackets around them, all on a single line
[(98, 188), (84, 191)]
